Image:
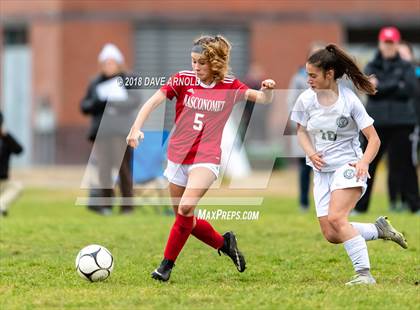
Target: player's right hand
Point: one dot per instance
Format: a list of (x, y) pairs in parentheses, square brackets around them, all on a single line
[(134, 137), (317, 160), (268, 84)]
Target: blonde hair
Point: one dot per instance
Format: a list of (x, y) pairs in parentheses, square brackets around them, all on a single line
[(216, 50)]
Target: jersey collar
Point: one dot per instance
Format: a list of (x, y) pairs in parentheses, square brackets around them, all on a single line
[(208, 86)]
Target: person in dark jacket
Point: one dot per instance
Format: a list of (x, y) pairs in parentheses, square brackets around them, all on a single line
[(112, 109), (395, 176), (9, 190), (394, 114)]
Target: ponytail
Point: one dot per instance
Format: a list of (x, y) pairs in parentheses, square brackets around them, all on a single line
[(332, 57)]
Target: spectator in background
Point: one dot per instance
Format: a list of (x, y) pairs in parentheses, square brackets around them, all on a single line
[(44, 132), (395, 176), (112, 109), (297, 85), (393, 110), (9, 190), (406, 52)]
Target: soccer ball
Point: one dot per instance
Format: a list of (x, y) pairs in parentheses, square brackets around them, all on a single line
[(94, 263)]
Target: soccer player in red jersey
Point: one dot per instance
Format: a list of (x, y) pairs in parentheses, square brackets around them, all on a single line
[(205, 97)]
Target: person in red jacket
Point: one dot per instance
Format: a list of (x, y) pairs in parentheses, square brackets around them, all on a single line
[(205, 97)]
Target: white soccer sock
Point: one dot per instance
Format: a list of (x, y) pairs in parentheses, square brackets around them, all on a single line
[(367, 230), (357, 251)]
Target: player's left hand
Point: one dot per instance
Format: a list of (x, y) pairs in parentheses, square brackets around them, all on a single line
[(362, 170), (268, 84)]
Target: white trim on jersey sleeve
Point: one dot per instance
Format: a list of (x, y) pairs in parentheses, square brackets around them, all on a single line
[(228, 81), (236, 93), (188, 73), (299, 113)]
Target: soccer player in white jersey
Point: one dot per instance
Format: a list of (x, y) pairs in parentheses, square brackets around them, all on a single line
[(329, 118), (205, 98)]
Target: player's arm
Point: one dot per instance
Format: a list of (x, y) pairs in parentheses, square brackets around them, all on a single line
[(262, 96), (372, 149), (373, 144), (135, 132), (306, 144)]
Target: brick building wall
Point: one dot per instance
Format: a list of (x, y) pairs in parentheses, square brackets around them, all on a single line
[(66, 37)]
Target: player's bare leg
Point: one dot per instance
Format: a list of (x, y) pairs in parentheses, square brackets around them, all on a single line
[(184, 200), (380, 229), (337, 229), (199, 181), (176, 192)]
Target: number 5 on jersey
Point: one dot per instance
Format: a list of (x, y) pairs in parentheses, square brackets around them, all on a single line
[(198, 123)]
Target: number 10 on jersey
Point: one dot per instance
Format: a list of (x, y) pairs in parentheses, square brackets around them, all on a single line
[(198, 122)]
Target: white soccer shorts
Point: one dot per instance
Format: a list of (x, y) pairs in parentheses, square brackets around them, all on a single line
[(178, 173), (326, 182)]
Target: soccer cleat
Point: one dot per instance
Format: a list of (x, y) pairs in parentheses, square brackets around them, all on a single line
[(230, 248), (361, 279), (387, 232), (164, 271)]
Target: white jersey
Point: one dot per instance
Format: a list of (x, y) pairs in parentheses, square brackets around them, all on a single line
[(334, 130)]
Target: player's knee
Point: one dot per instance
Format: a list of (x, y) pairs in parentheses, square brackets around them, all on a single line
[(185, 210), (330, 236), (336, 221)]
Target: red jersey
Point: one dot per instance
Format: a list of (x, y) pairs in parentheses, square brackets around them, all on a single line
[(201, 113)]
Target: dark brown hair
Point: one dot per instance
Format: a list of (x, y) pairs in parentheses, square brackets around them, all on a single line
[(334, 58), (216, 50)]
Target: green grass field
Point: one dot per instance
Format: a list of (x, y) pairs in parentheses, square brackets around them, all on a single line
[(290, 266)]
